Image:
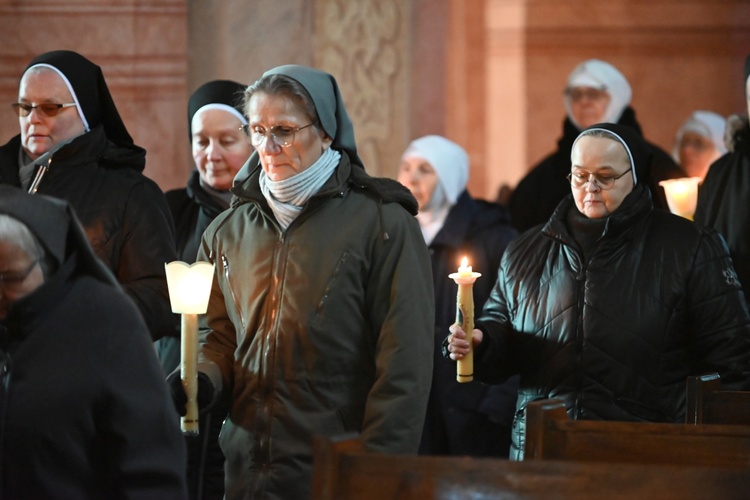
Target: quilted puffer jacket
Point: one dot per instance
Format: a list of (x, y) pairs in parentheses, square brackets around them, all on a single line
[(615, 336)]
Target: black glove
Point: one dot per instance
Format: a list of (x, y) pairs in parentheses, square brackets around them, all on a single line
[(179, 397)]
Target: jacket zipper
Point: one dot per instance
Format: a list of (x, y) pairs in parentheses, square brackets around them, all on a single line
[(225, 266), (579, 337)]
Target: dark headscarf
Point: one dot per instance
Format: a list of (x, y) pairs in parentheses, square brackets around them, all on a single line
[(56, 226), (225, 92), (329, 105), (335, 121), (90, 91), (638, 151)]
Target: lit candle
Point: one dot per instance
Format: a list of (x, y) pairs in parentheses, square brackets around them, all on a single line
[(682, 195), (465, 278), (189, 291)]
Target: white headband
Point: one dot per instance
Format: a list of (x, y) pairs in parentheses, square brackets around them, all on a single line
[(223, 107)]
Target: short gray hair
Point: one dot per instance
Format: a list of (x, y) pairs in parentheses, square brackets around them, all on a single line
[(15, 231)]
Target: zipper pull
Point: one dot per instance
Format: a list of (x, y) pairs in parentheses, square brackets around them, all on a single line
[(34, 187)]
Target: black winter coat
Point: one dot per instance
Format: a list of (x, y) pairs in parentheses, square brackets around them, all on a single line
[(84, 409), (471, 418), (193, 209), (723, 204), (616, 336), (538, 194), (124, 213)]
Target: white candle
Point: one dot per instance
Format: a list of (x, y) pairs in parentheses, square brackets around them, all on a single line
[(189, 372), (682, 195), (189, 290)]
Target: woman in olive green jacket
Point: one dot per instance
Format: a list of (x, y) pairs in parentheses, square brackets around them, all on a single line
[(321, 315)]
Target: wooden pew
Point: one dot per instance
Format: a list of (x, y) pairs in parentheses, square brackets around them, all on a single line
[(343, 471), (707, 403), (550, 434)]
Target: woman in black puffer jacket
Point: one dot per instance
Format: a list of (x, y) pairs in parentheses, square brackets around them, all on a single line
[(611, 304)]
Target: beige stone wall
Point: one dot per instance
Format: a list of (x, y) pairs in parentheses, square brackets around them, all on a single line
[(141, 47), (678, 55), (485, 73)]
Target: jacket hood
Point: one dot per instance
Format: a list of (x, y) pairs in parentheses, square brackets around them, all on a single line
[(347, 176), (95, 147), (57, 228)]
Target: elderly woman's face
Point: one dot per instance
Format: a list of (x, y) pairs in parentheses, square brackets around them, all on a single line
[(420, 177), (220, 148), (588, 105), (266, 111), (39, 133), (696, 153), (605, 158), (20, 274)]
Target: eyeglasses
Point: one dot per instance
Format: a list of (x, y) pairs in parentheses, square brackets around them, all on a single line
[(48, 109), (11, 280), (580, 179), (590, 93), (283, 136)]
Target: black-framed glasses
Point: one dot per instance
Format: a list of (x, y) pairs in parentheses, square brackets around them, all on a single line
[(11, 280), (282, 135), (580, 179), (46, 108)]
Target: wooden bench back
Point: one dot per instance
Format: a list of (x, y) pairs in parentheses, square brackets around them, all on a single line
[(342, 471), (550, 434), (707, 403)]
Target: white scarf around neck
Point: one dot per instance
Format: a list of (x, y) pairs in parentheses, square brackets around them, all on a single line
[(287, 197)]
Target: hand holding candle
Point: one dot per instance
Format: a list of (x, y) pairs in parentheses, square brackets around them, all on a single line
[(465, 278), (189, 291)]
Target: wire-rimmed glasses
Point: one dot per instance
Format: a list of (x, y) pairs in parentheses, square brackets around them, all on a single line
[(581, 178), (282, 135)]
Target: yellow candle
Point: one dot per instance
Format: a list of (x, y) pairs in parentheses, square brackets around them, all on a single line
[(465, 278)]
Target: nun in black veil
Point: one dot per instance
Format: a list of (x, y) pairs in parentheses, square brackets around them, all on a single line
[(220, 148), (84, 410), (73, 145)]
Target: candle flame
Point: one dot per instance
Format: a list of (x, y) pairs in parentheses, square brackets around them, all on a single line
[(464, 262)]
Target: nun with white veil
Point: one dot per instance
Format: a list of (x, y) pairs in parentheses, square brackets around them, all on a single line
[(595, 92)]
